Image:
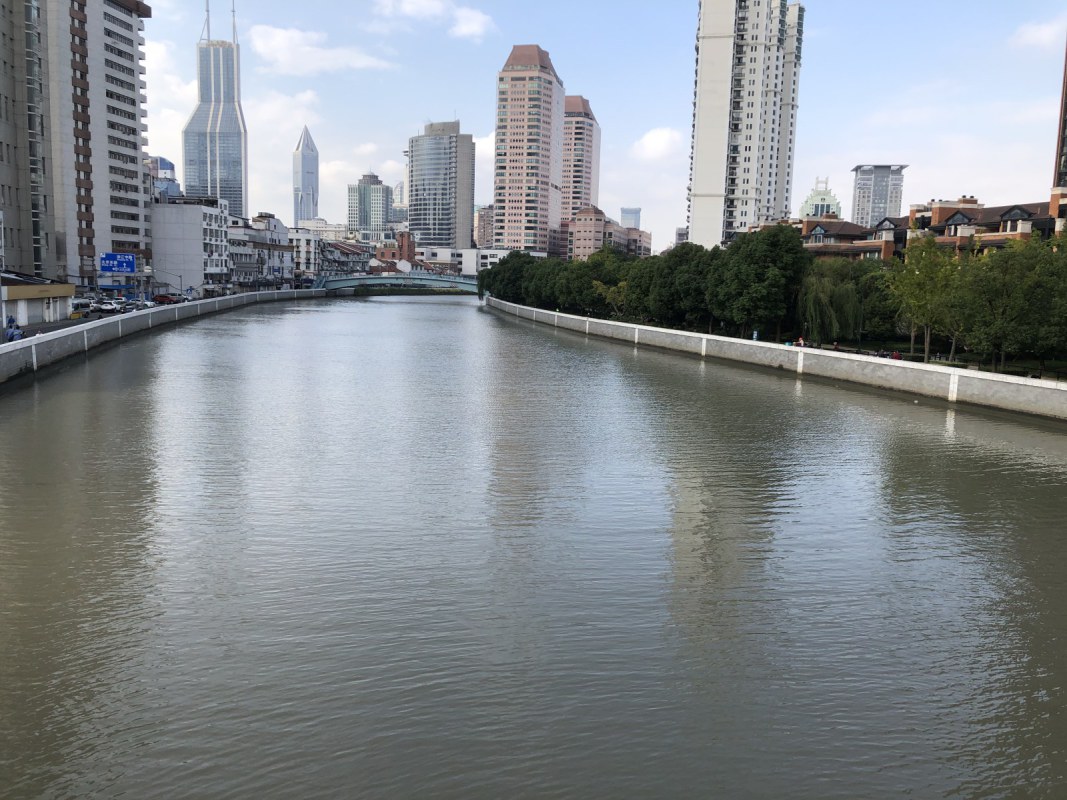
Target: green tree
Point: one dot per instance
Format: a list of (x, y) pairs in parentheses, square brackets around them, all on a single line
[(918, 284), (757, 281), (1008, 293), (829, 304)]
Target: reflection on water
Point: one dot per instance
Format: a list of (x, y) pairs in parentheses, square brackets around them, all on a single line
[(407, 547)]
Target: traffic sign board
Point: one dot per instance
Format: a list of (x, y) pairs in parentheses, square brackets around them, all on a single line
[(118, 262)]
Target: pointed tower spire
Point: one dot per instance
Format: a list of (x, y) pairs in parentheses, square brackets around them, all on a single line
[(305, 178), (205, 34), (233, 12)]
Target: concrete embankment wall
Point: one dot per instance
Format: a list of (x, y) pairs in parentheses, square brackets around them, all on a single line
[(1026, 395), (30, 355)]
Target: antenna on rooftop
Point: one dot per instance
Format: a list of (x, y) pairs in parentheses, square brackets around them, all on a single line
[(205, 34), (233, 11)]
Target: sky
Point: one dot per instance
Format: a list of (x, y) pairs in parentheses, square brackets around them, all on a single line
[(965, 93)]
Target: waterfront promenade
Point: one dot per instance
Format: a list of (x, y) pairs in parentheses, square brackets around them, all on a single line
[(35, 352)]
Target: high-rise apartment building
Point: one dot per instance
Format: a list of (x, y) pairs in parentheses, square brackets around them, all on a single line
[(528, 163), (821, 201), (441, 186), (1059, 176), (370, 208), (877, 192), (28, 230), (744, 116), (483, 226), (630, 218), (581, 156), (101, 188), (305, 179), (215, 140)]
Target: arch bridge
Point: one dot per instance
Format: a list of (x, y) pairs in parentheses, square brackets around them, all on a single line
[(423, 280)]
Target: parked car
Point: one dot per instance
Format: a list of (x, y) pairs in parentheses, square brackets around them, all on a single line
[(111, 307), (166, 299)]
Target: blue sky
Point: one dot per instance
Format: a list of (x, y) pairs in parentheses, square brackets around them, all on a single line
[(967, 94)]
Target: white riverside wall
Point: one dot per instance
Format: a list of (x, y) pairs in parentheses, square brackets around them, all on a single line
[(32, 354), (1025, 395)]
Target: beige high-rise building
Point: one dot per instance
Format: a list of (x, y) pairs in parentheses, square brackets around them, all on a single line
[(528, 163), (483, 226), (591, 231), (744, 116), (96, 101), (581, 156)]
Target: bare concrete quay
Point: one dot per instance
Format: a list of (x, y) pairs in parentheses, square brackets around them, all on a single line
[(1025, 395)]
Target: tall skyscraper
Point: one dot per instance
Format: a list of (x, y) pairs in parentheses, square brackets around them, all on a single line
[(215, 141), (581, 156), (744, 116), (370, 208), (630, 218), (528, 164), (877, 192), (305, 179), (441, 186), (100, 185), (1060, 173)]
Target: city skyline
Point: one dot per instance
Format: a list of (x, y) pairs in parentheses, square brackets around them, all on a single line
[(296, 74)]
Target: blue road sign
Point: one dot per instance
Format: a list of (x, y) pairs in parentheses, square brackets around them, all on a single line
[(118, 262)]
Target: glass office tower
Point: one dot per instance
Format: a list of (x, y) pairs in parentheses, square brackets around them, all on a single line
[(215, 141)]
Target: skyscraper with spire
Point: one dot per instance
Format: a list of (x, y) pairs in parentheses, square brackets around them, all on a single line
[(215, 140), (305, 178)]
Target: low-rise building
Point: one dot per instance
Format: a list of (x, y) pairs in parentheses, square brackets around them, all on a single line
[(260, 253), (191, 252), (307, 248), (344, 258), (29, 299), (327, 231)]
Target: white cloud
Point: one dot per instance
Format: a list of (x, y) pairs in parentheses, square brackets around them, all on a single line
[(391, 171), (289, 51), (171, 101), (659, 144), (416, 9), (274, 122), (470, 23), (466, 22), (1041, 35), (365, 149)]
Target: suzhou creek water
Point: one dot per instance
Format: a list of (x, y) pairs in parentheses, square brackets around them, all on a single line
[(407, 547)]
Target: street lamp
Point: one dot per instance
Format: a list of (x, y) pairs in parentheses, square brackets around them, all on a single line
[(181, 286)]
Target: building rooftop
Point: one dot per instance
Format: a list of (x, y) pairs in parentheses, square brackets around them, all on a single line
[(576, 104), (529, 55)]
